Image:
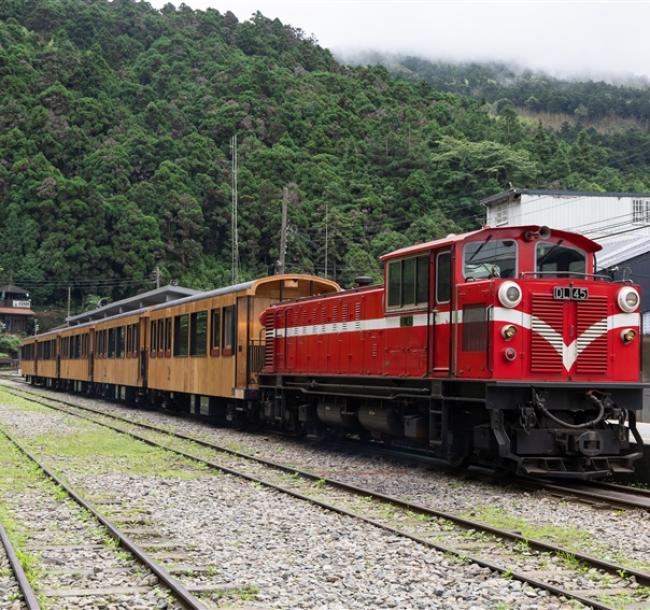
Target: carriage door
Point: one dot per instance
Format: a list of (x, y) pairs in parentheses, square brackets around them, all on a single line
[(242, 332), (441, 311), (140, 345), (91, 354), (57, 346)]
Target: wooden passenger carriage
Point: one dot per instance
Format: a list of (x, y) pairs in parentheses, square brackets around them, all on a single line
[(212, 344), (190, 352)]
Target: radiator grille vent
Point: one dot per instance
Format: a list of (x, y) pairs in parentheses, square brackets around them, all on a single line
[(592, 335), (475, 328), (546, 345), (269, 343)]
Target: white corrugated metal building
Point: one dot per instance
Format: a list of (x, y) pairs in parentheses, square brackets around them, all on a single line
[(600, 216)]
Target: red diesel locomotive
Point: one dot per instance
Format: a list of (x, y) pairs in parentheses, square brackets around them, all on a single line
[(500, 346)]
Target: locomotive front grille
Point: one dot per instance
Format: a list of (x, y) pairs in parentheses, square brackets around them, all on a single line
[(547, 334), (591, 329)]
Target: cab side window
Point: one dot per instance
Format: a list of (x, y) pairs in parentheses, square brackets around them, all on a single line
[(443, 277), (408, 282)]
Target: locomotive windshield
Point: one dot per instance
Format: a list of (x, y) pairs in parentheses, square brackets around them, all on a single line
[(490, 258), (556, 260)]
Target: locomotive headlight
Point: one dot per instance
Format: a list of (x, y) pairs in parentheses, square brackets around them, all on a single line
[(628, 299), (509, 294), (508, 331), (628, 335)]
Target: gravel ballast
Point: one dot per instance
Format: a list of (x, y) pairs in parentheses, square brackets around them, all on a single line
[(283, 552), (618, 535)]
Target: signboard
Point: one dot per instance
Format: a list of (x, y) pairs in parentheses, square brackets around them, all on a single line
[(22, 304)]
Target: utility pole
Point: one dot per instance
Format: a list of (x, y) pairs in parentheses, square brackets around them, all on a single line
[(327, 208), (69, 298), (283, 230), (234, 258), (157, 276)]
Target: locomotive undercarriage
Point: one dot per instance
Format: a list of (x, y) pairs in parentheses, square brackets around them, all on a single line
[(554, 430), (558, 430)]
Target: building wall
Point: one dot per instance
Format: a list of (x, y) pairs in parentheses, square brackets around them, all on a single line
[(593, 216), (14, 324)]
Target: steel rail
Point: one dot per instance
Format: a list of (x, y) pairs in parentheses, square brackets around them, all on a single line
[(641, 576), (617, 495), (182, 595), (29, 596), (634, 491)]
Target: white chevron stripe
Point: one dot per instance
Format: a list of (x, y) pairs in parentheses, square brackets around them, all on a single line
[(520, 318)]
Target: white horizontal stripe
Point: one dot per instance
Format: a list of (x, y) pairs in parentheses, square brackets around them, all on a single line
[(499, 314)]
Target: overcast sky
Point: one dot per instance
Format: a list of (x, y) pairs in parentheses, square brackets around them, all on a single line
[(561, 37)]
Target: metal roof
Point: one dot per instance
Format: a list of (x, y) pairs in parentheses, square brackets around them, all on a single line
[(13, 289), (164, 294), (621, 250), (247, 286), (516, 192), (204, 295)]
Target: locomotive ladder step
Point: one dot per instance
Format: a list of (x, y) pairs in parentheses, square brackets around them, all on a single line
[(435, 426)]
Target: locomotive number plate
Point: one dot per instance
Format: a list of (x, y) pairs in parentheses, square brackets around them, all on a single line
[(568, 293)]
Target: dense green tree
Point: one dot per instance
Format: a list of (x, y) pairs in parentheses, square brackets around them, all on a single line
[(115, 147)]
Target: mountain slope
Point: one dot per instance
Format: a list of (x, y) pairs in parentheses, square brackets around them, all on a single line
[(115, 150)]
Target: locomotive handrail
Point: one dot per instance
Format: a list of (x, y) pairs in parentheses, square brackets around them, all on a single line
[(602, 276)]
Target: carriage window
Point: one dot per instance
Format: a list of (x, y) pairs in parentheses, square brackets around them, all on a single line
[(215, 331), (490, 258), (168, 336), (160, 345), (199, 333), (135, 338), (153, 348), (408, 282), (558, 260), (111, 343), (228, 335), (181, 334), (443, 277), (119, 349)]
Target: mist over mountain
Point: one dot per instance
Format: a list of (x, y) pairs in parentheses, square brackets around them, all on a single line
[(532, 91)]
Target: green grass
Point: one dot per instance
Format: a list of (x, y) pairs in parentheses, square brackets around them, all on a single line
[(568, 537), (97, 450)]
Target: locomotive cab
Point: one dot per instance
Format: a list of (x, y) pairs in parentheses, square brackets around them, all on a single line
[(558, 346)]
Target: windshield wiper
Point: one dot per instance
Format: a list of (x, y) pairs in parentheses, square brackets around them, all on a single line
[(478, 250), (543, 259)]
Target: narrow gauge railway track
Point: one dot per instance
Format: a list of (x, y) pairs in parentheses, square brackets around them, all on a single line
[(598, 493), (509, 544), (24, 587), (595, 493), (182, 596)]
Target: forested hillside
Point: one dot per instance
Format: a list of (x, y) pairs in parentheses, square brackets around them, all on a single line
[(114, 150)]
